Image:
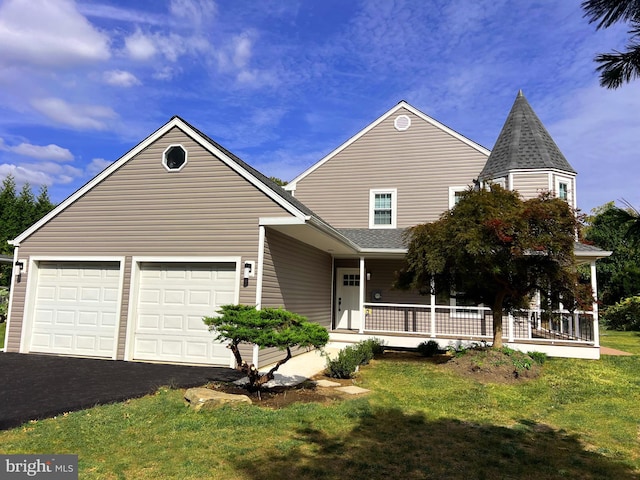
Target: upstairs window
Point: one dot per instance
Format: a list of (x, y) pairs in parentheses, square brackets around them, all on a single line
[(382, 208), (563, 189), (174, 158)]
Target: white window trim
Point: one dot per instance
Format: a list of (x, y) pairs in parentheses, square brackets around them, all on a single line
[(569, 183), (394, 206), (453, 302), (164, 158), (452, 194)]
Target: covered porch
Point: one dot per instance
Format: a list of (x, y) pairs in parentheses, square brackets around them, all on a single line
[(366, 306)]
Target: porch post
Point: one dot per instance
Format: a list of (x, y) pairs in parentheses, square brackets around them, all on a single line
[(510, 317), (433, 309), (594, 288), (363, 279)]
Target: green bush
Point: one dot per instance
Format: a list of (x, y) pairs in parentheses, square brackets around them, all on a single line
[(428, 349), (538, 357), (624, 315), (346, 364), (4, 303), (374, 344)]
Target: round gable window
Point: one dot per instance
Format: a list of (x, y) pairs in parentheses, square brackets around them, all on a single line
[(402, 123), (174, 158)]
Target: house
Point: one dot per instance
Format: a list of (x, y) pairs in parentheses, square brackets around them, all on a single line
[(128, 265)]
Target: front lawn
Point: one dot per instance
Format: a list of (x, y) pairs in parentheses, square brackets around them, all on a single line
[(3, 329), (579, 420), (625, 341)]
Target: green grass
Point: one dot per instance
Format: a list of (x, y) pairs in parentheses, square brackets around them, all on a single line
[(625, 341), (579, 420), (3, 329)]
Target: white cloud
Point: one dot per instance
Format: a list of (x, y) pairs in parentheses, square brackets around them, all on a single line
[(121, 14), (42, 173), (46, 33), (597, 131), (120, 78), (84, 117), (193, 11), (237, 53), (47, 152), (97, 165), (25, 175), (165, 73), (140, 46)]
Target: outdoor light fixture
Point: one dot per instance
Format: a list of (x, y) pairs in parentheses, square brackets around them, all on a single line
[(19, 268), (368, 276), (249, 268)]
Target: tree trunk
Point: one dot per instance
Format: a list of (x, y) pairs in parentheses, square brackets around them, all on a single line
[(496, 312)]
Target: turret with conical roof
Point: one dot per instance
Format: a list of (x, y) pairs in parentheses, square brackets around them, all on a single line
[(526, 158)]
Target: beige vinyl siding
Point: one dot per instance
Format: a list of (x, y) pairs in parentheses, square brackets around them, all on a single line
[(383, 275), (122, 331), (296, 277), (530, 185), (421, 163), (205, 209)]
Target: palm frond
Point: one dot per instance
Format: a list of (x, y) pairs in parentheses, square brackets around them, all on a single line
[(608, 12), (619, 67)]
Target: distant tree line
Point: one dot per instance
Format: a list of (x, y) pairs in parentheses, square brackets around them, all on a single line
[(18, 211), (617, 230)]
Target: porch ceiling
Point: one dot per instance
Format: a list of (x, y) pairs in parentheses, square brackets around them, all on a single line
[(588, 253), (326, 240)]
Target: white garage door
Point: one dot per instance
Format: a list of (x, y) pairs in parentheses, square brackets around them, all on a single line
[(172, 300), (76, 308)]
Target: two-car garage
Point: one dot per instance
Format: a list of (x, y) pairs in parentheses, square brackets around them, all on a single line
[(77, 308)]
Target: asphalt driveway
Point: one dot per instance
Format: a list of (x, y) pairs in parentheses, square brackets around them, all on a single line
[(41, 386)]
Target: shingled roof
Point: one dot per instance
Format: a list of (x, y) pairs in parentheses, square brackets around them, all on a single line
[(523, 144)]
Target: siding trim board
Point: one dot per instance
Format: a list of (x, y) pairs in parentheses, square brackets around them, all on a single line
[(10, 306)]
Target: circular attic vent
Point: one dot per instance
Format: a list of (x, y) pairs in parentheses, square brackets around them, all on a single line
[(402, 123)]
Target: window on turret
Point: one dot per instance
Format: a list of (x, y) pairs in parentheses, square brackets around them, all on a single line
[(563, 191)]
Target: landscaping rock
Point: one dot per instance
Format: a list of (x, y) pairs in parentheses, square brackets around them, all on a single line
[(205, 399), (353, 390)]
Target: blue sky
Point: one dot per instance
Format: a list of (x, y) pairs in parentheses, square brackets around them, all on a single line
[(283, 82)]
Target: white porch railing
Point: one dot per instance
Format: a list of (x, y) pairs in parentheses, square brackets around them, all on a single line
[(477, 323)]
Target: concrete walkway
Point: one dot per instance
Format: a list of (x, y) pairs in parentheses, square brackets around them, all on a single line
[(613, 351), (301, 367)]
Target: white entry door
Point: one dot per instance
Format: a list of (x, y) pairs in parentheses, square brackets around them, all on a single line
[(172, 299), (348, 298)]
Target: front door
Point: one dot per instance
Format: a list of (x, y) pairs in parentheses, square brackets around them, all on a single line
[(348, 298)]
